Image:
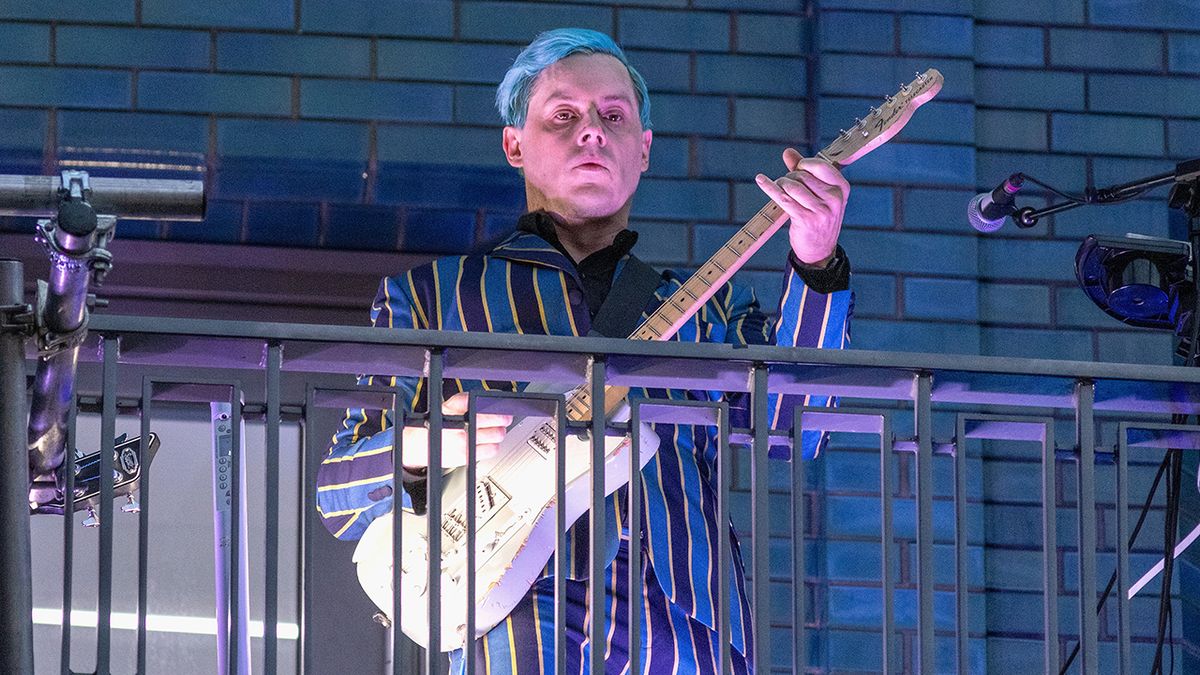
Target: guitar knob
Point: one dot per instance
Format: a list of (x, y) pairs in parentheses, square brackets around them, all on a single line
[(92, 519), (131, 505)]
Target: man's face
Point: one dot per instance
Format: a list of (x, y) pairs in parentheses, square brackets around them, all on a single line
[(582, 148)]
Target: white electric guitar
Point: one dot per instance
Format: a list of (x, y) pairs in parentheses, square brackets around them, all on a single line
[(514, 492)]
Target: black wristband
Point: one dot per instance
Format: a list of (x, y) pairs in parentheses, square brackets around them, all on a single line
[(835, 276)]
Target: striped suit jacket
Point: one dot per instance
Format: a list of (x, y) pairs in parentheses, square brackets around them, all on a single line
[(526, 286)]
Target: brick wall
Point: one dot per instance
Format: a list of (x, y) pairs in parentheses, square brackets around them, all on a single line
[(369, 126)]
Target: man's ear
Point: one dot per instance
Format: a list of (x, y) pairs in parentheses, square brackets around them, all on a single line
[(512, 146), (647, 138)]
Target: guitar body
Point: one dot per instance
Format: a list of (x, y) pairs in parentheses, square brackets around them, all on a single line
[(515, 533)]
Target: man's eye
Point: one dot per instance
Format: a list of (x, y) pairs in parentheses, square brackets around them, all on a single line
[(563, 115), (614, 117)]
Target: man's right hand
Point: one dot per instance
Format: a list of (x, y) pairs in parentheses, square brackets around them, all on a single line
[(490, 430)]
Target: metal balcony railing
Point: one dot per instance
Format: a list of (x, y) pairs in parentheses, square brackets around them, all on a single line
[(284, 376)]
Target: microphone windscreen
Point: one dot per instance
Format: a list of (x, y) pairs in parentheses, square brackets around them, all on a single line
[(976, 218)]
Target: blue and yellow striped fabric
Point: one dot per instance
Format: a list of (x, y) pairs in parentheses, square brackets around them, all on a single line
[(527, 286)]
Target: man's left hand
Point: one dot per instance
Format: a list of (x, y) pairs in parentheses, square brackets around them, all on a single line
[(813, 194)]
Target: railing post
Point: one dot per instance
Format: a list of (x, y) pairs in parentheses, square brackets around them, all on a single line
[(16, 591)]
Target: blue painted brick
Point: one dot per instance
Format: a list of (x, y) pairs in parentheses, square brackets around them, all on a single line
[(936, 6), (1022, 656), (118, 11), (878, 76), (936, 34), (683, 200), (874, 294), (663, 71), (1050, 11), (1014, 303), (992, 166), (24, 43), (854, 651), (857, 32), (687, 31), (477, 105), (737, 74), (218, 93), (1102, 49), (139, 229), (1011, 129), (1014, 570), (281, 224), (769, 118), (251, 178), (740, 160), (293, 54), (863, 608), (1043, 90), (415, 18), (366, 100), (1183, 138), (936, 209), (941, 299), (1018, 259), (134, 131), (1009, 45), (924, 163), (132, 47), (870, 206), (1144, 216), (1183, 53), (436, 144), (1037, 343), (450, 186), (1145, 94), (1073, 309), (669, 157), (1109, 170), (901, 252), (690, 114), (748, 198), (1142, 346), (277, 14), (23, 130), (764, 5), (222, 224), (293, 140), (914, 336), (361, 227), (444, 61), (772, 34), (661, 243), (64, 87), (521, 22), (1173, 15)]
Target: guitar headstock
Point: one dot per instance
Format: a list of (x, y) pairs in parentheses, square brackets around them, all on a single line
[(884, 122)]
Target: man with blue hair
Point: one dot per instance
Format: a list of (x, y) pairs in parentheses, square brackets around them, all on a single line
[(577, 118)]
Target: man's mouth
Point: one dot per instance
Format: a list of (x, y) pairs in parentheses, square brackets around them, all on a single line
[(591, 166)]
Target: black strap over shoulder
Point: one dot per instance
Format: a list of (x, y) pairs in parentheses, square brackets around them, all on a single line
[(631, 292)]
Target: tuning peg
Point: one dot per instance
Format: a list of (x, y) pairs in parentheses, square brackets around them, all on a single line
[(872, 111), (131, 505), (92, 519), (842, 133), (857, 122)]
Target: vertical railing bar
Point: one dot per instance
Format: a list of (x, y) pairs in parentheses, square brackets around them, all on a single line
[(560, 540), (143, 522), (887, 488), (1122, 516), (469, 509), (433, 656), (399, 422), (799, 565), (1086, 437), (235, 535), (271, 609), (1050, 550), (634, 512), (724, 542), (68, 535), (108, 430), (597, 521), (961, 586), (760, 529), (925, 562), (308, 504)]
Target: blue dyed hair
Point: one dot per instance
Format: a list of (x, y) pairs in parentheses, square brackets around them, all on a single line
[(548, 48)]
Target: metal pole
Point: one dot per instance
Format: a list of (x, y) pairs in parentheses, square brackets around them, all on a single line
[(16, 593)]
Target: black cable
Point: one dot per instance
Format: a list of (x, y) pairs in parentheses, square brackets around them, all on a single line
[(1065, 195)]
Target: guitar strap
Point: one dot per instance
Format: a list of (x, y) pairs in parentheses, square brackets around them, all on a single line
[(631, 292)]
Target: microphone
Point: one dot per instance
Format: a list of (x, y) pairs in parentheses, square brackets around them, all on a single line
[(987, 210)]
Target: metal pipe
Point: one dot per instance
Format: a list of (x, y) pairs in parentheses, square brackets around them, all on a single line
[(596, 521), (132, 198), (16, 593), (1086, 439), (923, 413)]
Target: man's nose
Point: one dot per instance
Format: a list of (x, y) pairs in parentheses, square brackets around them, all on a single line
[(592, 130)]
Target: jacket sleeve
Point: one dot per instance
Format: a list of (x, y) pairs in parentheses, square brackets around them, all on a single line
[(354, 481), (806, 318)]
